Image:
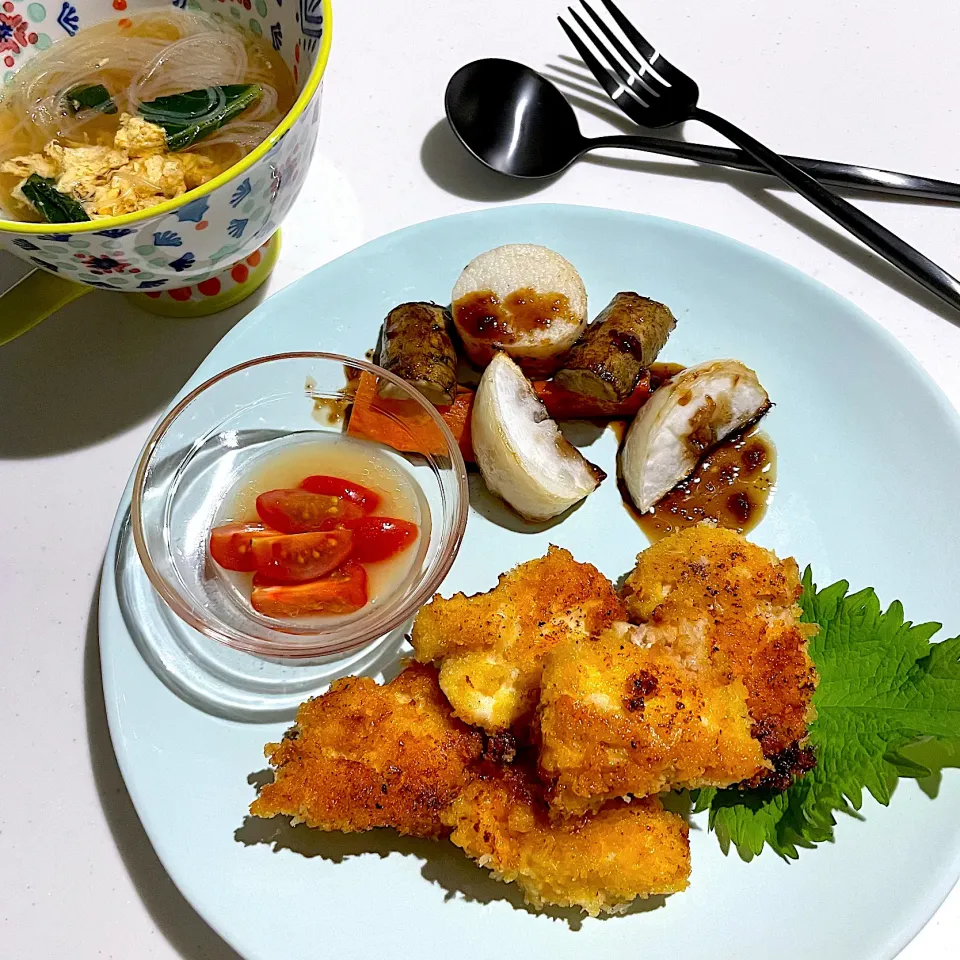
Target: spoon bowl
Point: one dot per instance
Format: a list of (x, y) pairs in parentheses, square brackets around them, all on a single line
[(512, 119)]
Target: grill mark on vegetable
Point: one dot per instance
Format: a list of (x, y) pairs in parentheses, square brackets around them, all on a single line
[(416, 345), (625, 338)]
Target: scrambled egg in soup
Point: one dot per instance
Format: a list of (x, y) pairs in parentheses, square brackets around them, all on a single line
[(137, 172)]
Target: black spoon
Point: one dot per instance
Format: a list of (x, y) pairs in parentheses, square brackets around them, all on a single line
[(518, 123)]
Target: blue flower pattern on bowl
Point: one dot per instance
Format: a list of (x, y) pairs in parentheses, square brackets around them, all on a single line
[(241, 193), (68, 18), (236, 228), (193, 211), (184, 262), (167, 238), (311, 18)]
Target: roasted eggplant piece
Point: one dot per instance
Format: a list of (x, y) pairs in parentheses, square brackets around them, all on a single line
[(415, 345), (609, 359)]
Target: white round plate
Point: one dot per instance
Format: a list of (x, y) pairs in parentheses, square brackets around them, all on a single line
[(869, 455)]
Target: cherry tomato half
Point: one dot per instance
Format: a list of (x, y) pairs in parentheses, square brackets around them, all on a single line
[(343, 591), (299, 511), (295, 557), (379, 538), (232, 544), (365, 498)]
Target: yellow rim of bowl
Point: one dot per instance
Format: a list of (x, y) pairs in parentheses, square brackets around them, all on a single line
[(293, 114)]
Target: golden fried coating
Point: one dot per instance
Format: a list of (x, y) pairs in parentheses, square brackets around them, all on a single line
[(491, 646), (599, 862), (365, 755), (714, 597), (618, 717)]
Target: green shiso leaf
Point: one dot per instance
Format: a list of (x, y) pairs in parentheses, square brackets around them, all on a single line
[(888, 706)]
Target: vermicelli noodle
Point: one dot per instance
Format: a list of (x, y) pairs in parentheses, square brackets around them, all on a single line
[(138, 60)]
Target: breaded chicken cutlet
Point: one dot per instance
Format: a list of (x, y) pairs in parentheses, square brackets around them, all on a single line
[(746, 599), (711, 687), (618, 717), (491, 646), (599, 862), (365, 755)]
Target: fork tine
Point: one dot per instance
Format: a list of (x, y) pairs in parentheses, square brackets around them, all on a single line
[(631, 32), (593, 64), (640, 67), (631, 60), (662, 68), (614, 65)]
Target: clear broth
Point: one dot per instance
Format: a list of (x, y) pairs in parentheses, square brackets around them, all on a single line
[(107, 53)]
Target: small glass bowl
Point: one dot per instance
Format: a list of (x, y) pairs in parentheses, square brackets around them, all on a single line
[(199, 451)]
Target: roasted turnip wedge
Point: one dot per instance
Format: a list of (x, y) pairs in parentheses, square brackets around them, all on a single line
[(689, 415), (521, 453)]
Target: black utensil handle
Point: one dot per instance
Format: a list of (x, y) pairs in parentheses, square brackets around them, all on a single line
[(826, 171), (864, 228)]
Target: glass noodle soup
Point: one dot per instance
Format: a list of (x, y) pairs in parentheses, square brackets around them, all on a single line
[(101, 119)]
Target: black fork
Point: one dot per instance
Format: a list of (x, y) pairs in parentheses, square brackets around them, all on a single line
[(655, 93)]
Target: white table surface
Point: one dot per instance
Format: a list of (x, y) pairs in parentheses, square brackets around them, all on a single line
[(78, 878)]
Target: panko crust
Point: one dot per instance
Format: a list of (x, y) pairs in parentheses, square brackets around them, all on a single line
[(618, 717), (491, 646), (365, 755), (599, 862), (712, 596)]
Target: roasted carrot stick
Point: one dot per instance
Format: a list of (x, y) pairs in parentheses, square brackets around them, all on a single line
[(565, 405), (403, 425)]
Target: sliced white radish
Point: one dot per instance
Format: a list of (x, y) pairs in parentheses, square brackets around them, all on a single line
[(687, 416), (521, 453), (522, 299)]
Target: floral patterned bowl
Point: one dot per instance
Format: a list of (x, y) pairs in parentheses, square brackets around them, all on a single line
[(196, 242)]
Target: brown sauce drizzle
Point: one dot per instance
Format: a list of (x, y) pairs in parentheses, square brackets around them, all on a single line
[(330, 411), (485, 316), (661, 372), (732, 486)]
